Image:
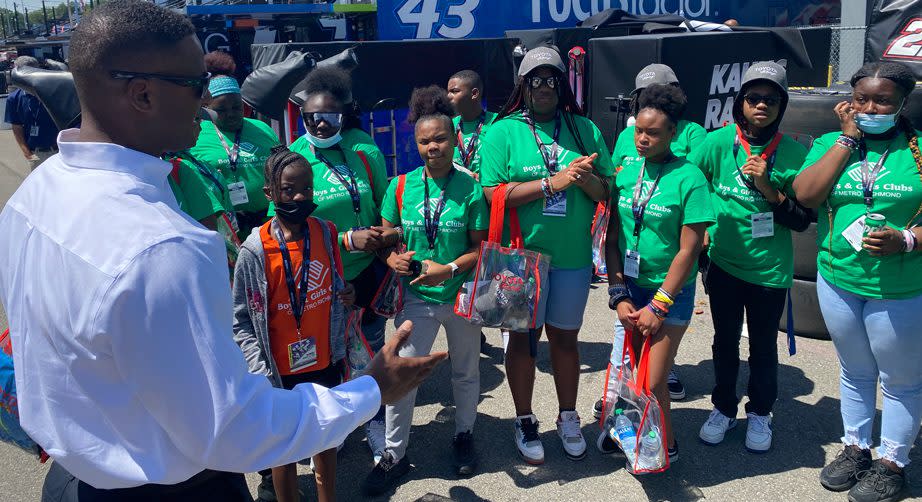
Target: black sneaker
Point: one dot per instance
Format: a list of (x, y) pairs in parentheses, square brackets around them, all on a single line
[(842, 473), (879, 484), (597, 409), (266, 489), (676, 389), (465, 456), (380, 479), (673, 452)]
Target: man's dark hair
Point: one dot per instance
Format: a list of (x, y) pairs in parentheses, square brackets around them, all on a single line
[(668, 99), (471, 77), (121, 27)]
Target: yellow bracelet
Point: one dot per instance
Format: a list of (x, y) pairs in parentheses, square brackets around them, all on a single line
[(660, 297)]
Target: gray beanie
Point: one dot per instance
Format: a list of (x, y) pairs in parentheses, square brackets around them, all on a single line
[(539, 57)]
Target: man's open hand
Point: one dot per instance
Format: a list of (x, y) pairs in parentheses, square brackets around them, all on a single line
[(396, 376)]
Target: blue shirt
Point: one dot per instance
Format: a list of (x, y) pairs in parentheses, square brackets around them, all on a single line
[(27, 111)]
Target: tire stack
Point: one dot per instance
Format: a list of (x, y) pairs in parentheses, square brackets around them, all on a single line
[(810, 115)]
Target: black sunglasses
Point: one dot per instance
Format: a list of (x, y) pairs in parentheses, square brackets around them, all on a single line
[(199, 84), (333, 119), (536, 82), (754, 99)]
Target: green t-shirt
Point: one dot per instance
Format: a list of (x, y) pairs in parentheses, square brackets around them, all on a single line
[(256, 142), (510, 154), (766, 261), (681, 198), (465, 211), (897, 196), (192, 193), (467, 130), (688, 136), (332, 197)]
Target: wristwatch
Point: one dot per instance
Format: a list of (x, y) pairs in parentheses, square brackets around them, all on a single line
[(617, 294), (454, 268)]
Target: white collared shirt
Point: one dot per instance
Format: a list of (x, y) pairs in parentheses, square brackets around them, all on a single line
[(120, 313)]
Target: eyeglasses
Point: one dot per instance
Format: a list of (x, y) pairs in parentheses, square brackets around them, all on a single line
[(551, 82), (199, 84), (334, 120), (754, 99)]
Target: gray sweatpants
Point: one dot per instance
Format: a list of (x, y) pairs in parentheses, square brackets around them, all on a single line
[(464, 347)]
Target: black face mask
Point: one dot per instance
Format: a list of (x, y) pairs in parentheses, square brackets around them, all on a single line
[(295, 211)]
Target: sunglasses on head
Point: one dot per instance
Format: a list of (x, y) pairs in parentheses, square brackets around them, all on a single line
[(551, 82), (198, 84), (334, 120), (754, 99)]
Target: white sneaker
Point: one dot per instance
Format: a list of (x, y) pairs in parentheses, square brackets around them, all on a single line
[(715, 428), (527, 440), (758, 433), (568, 428), (374, 434)]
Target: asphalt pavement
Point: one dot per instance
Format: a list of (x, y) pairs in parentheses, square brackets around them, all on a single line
[(807, 427)]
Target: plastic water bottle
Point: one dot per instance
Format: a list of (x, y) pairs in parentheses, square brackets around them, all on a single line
[(651, 450), (624, 430)]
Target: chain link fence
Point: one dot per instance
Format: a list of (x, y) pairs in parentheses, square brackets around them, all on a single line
[(846, 51)]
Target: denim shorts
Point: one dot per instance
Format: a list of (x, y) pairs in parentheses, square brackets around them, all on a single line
[(564, 300), (680, 313)]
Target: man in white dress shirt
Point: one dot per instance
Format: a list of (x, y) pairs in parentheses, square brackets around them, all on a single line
[(119, 304)]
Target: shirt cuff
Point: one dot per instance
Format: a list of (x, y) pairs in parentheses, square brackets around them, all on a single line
[(364, 395)]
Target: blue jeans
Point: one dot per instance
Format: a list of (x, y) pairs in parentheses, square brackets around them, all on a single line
[(680, 314), (876, 339)]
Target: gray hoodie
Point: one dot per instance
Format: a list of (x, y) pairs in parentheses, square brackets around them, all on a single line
[(251, 323)]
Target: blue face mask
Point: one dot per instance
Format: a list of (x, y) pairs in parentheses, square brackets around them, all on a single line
[(877, 123), (324, 142)]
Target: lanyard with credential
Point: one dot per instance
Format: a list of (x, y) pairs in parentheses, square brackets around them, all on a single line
[(768, 155), (550, 159), (638, 207), (233, 154), (869, 174), (467, 152), (203, 170), (352, 186), (432, 220), (297, 294)]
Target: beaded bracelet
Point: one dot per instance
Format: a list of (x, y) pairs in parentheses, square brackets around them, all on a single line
[(547, 188), (847, 142)]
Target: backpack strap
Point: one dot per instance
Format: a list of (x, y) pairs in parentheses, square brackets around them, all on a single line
[(401, 185), (175, 172), (371, 179)]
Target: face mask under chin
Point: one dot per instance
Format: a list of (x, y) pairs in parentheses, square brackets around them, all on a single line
[(324, 142)]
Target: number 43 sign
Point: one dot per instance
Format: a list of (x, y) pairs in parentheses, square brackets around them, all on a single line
[(454, 20)]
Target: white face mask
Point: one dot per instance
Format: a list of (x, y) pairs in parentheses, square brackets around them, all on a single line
[(324, 142)]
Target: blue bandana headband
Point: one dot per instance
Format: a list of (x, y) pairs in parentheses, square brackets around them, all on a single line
[(219, 86)]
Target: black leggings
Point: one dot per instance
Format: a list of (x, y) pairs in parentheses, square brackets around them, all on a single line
[(729, 297)]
